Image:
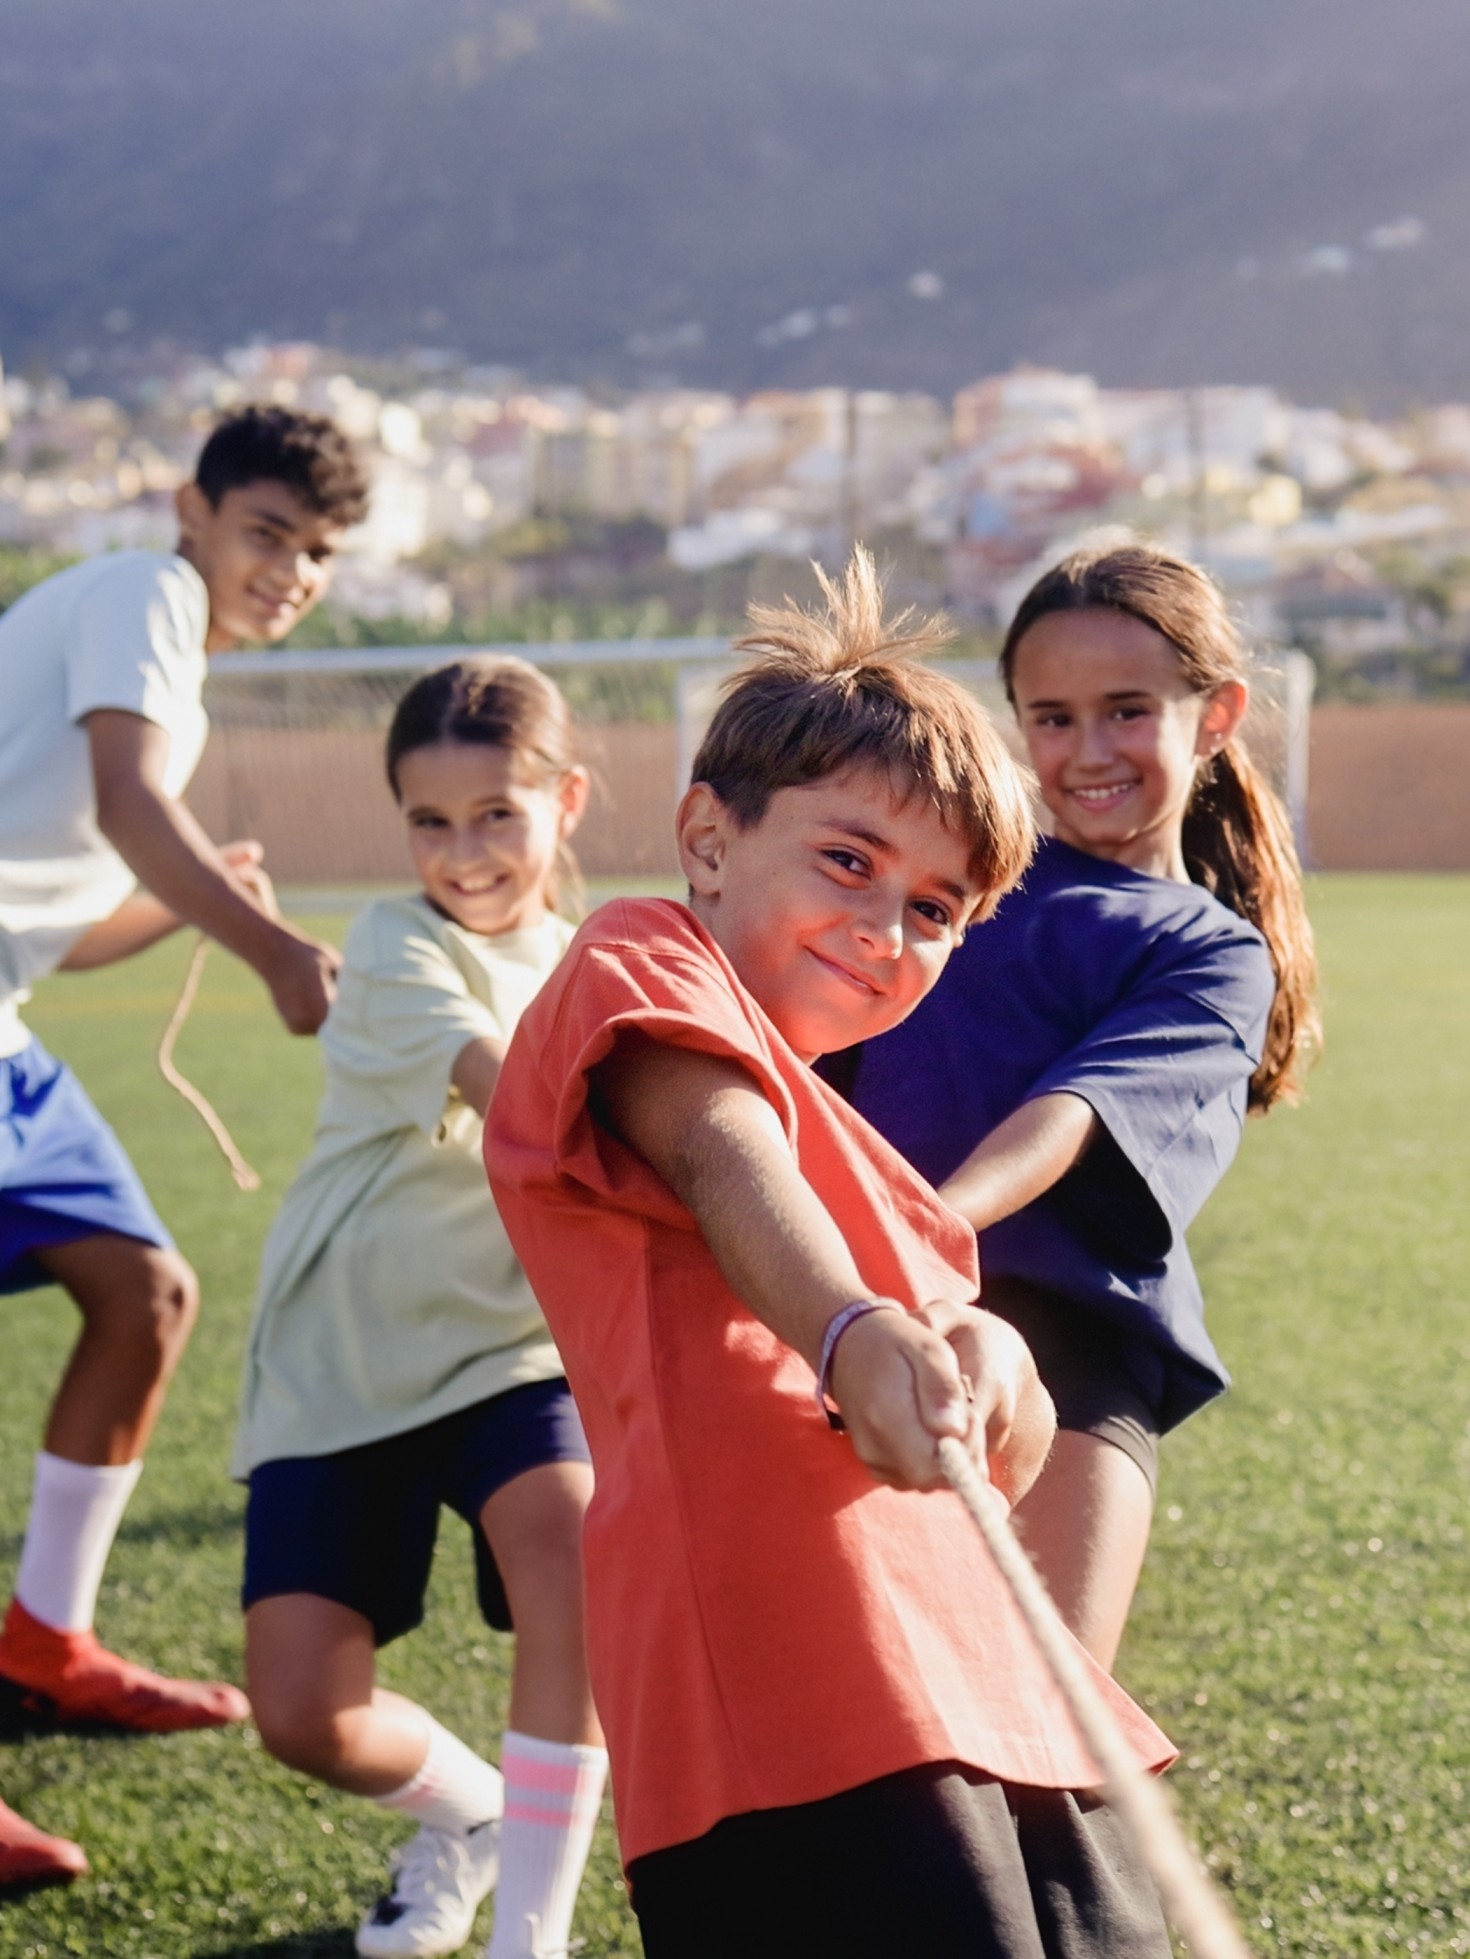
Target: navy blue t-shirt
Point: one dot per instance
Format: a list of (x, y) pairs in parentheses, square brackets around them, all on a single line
[(1148, 999)]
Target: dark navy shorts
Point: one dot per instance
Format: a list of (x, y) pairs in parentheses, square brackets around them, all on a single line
[(1102, 1382), (63, 1173), (358, 1527)]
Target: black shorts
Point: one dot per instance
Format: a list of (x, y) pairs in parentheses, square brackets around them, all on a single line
[(931, 1863), (1102, 1382), (358, 1527)]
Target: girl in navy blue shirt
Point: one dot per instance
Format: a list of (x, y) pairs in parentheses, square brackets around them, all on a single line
[(1076, 1083)]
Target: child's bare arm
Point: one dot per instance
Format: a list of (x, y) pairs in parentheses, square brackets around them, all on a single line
[(142, 920), (1021, 1157), (160, 841), (707, 1129), (476, 1070)]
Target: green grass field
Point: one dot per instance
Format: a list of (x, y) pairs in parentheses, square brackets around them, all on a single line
[(1302, 1629)]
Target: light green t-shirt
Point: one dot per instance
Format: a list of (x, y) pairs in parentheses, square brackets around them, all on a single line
[(389, 1294)]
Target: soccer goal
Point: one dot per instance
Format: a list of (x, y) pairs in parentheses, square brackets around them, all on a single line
[(295, 755)]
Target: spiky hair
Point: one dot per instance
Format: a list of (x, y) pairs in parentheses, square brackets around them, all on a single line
[(845, 687)]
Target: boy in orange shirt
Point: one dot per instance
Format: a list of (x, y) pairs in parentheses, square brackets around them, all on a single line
[(829, 1731)]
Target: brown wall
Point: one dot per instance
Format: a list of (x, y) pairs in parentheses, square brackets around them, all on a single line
[(1390, 791), (1389, 787), (318, 802)]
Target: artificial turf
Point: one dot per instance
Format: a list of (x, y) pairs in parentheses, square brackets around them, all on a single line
[(1301, 1629)]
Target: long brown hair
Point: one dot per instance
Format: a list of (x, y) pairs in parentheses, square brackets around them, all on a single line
[(494, 701), (1237, 837)]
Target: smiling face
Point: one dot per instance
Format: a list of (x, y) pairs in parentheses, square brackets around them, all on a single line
[(264, 556), (838, 909), (484, 834), (1116, 734)]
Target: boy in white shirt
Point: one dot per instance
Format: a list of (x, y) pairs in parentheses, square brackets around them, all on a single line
[(101, 673)]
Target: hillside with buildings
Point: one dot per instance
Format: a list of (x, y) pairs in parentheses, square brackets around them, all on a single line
[(502, 506), (749, 196)]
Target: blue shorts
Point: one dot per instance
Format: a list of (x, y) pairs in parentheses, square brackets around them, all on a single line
[(358, 1527), (63, 1173)]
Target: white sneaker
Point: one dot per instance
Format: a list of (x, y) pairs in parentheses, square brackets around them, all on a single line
[(438, 1880)]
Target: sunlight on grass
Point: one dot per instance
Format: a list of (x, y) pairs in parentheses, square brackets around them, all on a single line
[(1301, 1630)]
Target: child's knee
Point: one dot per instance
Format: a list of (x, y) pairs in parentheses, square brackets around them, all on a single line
[(543, 1577), (163, 1303), (142, 1300), (300, 1731)]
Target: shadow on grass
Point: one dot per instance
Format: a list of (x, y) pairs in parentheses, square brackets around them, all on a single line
[(23, 1717), (187, 1529), (327, 1942)]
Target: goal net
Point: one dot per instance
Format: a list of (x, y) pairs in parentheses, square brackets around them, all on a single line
[(295, 757)]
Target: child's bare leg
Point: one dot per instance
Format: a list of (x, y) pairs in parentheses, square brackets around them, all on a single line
[(553, 1759), (534, 1527), (311, 1664), (138, 1304), (311, 1668), (1085, 1522)]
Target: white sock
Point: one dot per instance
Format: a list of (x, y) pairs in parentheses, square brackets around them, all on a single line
[(454, 1789), (552, 1793), (76, 1508)]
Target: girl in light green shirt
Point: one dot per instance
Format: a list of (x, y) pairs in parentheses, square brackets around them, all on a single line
[(398, 1360)]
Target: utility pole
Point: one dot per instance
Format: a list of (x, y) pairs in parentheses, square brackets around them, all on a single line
[(1194, 431), (851, 509)]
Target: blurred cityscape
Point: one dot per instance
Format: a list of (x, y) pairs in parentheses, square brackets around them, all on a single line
[(503, 509)]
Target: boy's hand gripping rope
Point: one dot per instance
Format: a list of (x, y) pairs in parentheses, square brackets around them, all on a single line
[(1189, 1899), (240, 1170)]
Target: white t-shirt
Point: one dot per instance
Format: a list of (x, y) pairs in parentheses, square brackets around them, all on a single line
[(121, 631), (389, 1294)]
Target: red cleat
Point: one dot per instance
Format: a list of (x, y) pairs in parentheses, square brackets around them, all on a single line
[(29, 1857), (70, 1675)]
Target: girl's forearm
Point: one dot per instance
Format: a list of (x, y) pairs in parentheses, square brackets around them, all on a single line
[(1021, 1158), (476, 1070)]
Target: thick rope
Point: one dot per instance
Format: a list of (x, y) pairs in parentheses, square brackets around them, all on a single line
[(1196, 1908), (240, 1170)]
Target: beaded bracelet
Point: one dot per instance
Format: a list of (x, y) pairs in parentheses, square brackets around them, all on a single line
[(838, 1324)]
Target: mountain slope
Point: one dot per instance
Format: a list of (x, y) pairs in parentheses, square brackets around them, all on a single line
[(742, 191)]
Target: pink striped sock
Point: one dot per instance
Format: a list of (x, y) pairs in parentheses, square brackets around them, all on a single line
[(553, 1791)]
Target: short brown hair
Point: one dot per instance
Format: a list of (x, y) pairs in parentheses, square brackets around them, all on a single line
[(308, 453), (845, 687)]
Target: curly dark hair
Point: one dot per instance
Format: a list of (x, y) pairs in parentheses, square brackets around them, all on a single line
[(308, 453)]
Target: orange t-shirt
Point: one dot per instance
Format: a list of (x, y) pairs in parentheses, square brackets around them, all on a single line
[(766, 1624)]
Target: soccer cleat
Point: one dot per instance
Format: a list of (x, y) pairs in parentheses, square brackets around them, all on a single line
[(70, 1675), (439, 1880), (28, 1857)]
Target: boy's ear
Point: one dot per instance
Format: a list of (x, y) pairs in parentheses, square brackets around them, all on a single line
[(193, 509), (1224, 712), (700, 830)]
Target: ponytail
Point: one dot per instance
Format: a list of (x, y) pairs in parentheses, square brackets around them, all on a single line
[(1237, 839), (1238, 845)]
